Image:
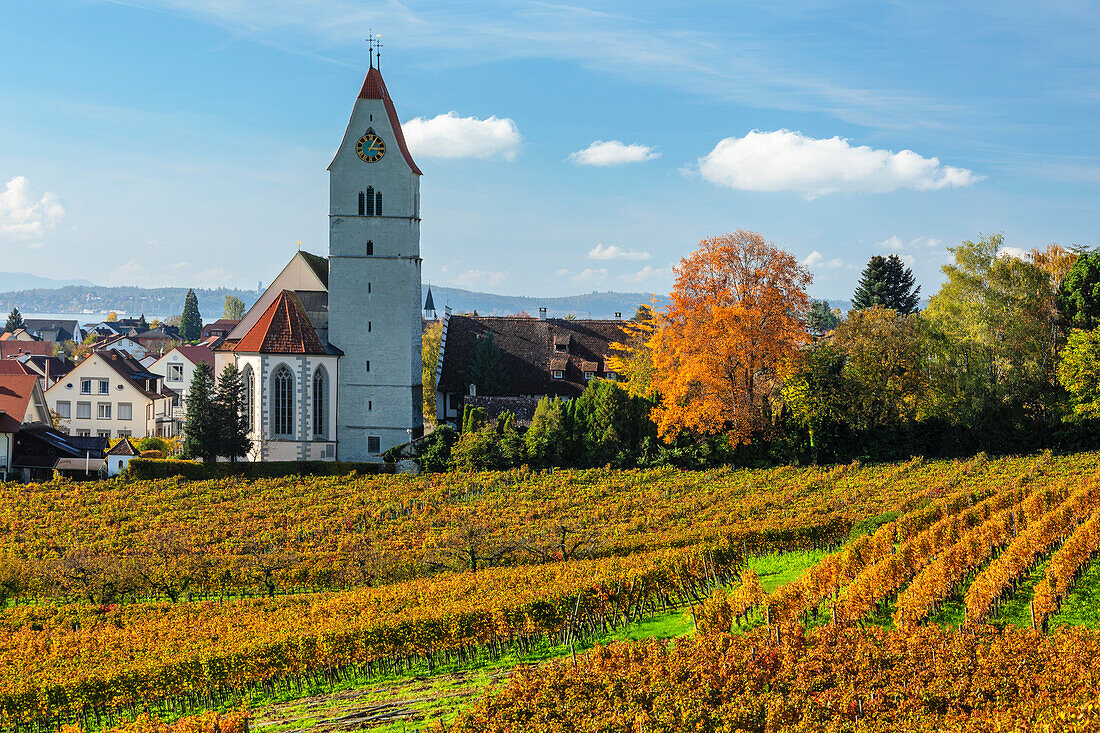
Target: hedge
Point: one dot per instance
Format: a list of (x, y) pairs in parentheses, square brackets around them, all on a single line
[(153, 468)]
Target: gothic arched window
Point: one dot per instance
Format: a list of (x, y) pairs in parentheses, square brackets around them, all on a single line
[(320, 403), (249, 401), (282, 402), (370, 200), (362, 202), (370, 246)]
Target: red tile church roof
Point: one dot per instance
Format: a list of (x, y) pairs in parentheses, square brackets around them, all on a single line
[(284, 328), (375, 88)]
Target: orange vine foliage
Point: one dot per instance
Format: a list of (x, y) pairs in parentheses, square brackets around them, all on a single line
[(1064, 567), (208, 722), (979, 679), (730, 335)]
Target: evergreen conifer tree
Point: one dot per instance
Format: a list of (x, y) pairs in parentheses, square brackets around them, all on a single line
[(191, 322), (887, 282), (143, 325), (821, 319), (485, 369), (15, 321), (233, 422), (201, 433), (546, 437)]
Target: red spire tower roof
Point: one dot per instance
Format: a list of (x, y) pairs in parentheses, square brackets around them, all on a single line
[(375, 88)]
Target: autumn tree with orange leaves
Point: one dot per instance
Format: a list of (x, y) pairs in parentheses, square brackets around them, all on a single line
[(729, 337)]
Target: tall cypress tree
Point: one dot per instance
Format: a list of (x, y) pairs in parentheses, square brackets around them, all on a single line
[(233, 439), (887, 282), (191, 322), (201, 433), (15, 321)]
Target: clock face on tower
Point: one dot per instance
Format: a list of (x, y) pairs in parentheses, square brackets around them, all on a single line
[(370, 147)]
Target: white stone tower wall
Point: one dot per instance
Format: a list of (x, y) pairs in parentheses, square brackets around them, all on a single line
[(374, 300)]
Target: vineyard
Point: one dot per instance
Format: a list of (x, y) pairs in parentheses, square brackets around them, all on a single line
[(168, 597)]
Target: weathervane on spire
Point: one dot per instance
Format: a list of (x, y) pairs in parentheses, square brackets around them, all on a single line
[(374, 42)]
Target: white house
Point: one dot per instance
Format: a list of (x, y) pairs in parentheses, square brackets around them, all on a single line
[(110, 394), (178, 367), (21, 402), (117, 459), (123, 343)]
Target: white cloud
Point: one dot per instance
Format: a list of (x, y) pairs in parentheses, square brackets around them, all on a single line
[(613, 152), (479, 278), (593, 275), (816, 259), (896, 244), (451, 136), (789, 161), (615, 252), (645, 274), (1012, 252), (24, 216)]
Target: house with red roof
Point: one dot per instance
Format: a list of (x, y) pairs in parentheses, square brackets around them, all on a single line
[(22, 402), (109, 395)]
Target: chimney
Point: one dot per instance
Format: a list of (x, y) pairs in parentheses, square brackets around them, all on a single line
[(618, 316), (542, 313)]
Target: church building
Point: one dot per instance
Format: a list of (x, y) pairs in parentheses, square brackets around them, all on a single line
[(330, 353)]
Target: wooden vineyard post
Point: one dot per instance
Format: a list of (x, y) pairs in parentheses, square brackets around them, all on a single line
[(1031, 605)]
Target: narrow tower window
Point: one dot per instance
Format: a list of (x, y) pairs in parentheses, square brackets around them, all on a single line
[(370, 246), (370, 200), (362, 203), (378, 203)]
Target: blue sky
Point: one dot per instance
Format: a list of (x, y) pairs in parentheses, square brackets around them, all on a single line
[(184, 142)]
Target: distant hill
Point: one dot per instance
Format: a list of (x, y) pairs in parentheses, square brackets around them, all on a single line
[(26, 281), (163, 302), (589, 305)]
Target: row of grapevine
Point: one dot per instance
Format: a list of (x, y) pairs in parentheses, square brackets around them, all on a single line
[(830, 679), (1036, 540), (1064, 567), (59, 662), (951, 568)]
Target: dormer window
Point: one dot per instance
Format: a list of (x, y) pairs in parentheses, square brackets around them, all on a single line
[(612, 376), (561, 347), (557, 374), (589, 375)]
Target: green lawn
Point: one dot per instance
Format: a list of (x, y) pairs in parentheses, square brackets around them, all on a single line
[(1081, 607)]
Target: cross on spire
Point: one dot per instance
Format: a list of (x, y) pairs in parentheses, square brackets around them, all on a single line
[(374, 43)]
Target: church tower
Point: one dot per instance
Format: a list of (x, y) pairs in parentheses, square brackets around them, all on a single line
[(374, 279)]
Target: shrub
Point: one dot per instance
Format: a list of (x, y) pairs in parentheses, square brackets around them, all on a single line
[(152, 468), (152, 453)]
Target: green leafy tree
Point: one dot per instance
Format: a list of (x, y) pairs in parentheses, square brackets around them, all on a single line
[(234, 308), (233, 441), (887, 282), (201, 431), (15, 321), (817, 398), (546, 437), (191, 322), (434, 451), (485, 369), (1079, 296), (990, 354), (1079, 372), (821, 319)]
